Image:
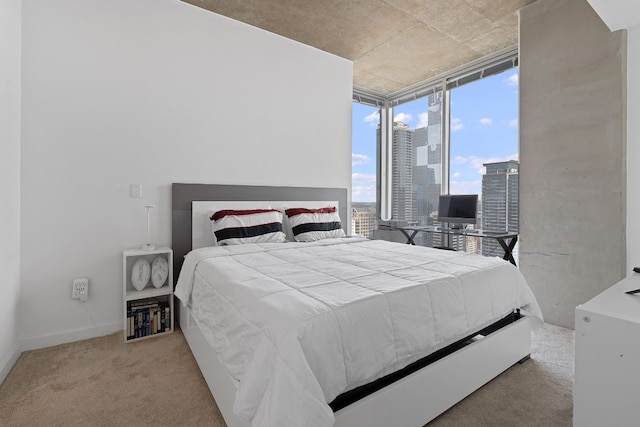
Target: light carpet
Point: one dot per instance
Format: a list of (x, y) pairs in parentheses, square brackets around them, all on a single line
[(156, 382)]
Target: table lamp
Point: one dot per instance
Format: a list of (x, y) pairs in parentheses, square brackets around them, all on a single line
[(148, 246)]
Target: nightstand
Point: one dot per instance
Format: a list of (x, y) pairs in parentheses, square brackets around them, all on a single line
[(148, 312)]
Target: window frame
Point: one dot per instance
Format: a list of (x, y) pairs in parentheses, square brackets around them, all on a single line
[(484, 67)]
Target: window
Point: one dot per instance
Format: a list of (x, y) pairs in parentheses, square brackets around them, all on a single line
[(417, 160), (484, 153), (365, 124), (432, 141)]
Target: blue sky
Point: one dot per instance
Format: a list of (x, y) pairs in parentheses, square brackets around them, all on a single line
[(484, 128)]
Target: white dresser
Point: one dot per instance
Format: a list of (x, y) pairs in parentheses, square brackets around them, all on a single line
[(606, 390)]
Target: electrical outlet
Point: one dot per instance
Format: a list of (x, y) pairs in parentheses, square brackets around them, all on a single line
[(80, 289)]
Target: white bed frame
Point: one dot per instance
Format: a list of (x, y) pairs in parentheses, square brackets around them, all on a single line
[(415, 399)]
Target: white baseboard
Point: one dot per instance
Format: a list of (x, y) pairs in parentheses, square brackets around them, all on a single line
[(8, 363), (70, 336)]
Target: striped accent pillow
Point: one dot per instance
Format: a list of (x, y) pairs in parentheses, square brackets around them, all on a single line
[(234, 227), (309, 225)]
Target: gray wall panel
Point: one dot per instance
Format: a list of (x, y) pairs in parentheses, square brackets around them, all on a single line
[(184, 194)]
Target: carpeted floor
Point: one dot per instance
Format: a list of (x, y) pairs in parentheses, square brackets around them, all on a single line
[(156, 382), (538, 392)]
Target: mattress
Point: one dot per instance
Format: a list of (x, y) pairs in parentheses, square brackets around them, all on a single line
[(297, 324)]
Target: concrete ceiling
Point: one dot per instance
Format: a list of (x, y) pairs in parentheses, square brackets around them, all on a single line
[(393, 43)]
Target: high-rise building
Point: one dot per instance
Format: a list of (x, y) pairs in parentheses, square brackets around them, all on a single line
[(363, 219), (427, 169), (402, 172), (499, 201), (416, 179)]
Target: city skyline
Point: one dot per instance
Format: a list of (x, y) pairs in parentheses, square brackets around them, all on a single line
[(484, 129)]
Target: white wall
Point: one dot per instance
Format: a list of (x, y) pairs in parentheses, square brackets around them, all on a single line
[(617, 14), (633, 148), (153, 92), (625, 14), (10, 32)]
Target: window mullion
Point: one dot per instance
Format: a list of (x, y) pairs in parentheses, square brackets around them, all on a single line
[(385, 149), (446, 138)]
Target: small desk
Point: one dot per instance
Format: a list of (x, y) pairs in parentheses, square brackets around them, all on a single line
[(506, 240)]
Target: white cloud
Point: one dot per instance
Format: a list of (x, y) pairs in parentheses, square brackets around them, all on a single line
[(403, 117), (363, 187), (373, 119), (477, 163), (457, 174), (459, 160), (466, 187), (423, 120), (485, 121), (456, 124), (513, 80), (359, 159), (513, 123), (366, 178), (363, 193)]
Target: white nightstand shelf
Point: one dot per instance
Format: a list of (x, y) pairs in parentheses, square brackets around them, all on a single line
[(147, 312)]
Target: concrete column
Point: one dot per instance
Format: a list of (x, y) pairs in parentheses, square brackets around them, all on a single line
[(572, 155)]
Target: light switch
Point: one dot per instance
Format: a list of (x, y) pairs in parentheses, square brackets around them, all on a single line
[(135, 191)]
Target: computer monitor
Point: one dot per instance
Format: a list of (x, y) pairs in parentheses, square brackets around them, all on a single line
[(458, 209)]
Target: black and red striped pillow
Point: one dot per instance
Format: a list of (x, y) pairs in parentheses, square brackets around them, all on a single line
[(233, 227), (309, 225)]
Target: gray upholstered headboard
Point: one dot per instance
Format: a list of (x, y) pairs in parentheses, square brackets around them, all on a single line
[(183, 194)]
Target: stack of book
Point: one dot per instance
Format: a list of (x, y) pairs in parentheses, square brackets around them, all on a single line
[(148, 317)]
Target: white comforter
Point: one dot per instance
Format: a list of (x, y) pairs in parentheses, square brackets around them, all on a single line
[(297, 324)]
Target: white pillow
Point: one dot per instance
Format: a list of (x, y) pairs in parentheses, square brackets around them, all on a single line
[(234, 227), (309, 225)]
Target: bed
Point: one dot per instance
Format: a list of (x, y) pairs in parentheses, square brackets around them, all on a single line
[(304, 366)]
